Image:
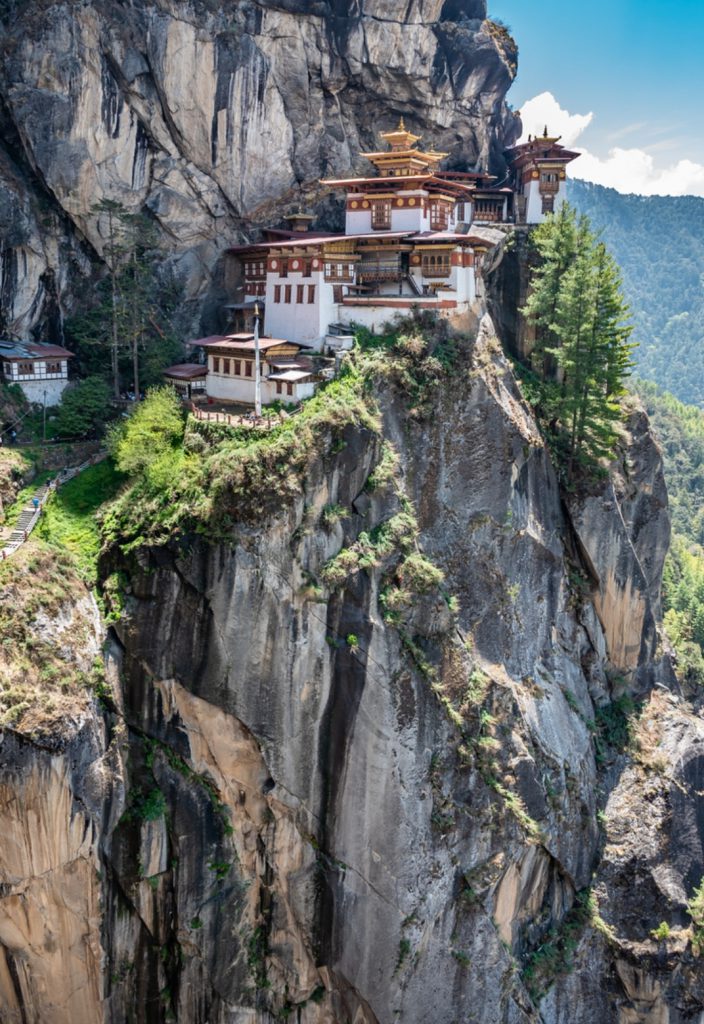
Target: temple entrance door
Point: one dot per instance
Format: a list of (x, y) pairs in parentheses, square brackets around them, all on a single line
[(405, 268)]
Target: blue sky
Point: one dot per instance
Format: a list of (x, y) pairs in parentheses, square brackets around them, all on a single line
[(638, 67)]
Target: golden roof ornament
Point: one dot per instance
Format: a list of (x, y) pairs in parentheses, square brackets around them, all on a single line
[(400, 139)]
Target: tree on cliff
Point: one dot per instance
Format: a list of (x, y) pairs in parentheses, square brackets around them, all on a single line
[(583, 349), (132, 307)]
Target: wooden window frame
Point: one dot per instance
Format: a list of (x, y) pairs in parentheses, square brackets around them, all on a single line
[(439, 216), (226, 367), (277, 293), (299, 294), (216, 364), (311, 294), (287, 294), (381, 215), (249, 367)]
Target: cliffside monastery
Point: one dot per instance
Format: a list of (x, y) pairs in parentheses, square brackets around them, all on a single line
[(415, 238)]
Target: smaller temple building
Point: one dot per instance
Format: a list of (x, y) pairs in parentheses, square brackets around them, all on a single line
[(228, 374), (189, 379), (40, 369), (539, 177)]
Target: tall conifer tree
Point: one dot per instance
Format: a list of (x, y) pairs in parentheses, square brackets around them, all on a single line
[(581, 323)]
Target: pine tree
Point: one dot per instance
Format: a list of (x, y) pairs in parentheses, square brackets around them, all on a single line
[(132, 307), (580, 316), (555, 243)]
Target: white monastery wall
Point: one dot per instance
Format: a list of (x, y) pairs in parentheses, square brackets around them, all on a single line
[(35, 389), (462, 280), (230, 389), (534, 203), (358, 222), (304, 322), (241, 390)]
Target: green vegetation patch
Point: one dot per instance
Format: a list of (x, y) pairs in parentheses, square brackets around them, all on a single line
[(614, 727), (554, 958), (659, 244), (185, 477), (69, 522), (181, 482), (13, 466), (695, 909), (680, 430)]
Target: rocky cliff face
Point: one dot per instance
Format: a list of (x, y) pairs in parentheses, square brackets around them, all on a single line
[(371, 755), (313, 799), (215, 118)]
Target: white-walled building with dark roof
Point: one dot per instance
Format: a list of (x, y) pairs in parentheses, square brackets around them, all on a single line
[(40, 369)]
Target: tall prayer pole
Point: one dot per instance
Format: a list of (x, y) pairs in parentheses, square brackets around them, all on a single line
[(257, 366)]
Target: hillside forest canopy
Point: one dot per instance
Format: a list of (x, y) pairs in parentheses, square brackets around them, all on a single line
[(658, 242)]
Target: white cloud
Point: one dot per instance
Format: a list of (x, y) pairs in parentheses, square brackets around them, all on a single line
[(626, 170), (634, 170), (544, 111)]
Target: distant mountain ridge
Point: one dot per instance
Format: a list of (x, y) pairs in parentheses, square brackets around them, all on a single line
[(659, 244)]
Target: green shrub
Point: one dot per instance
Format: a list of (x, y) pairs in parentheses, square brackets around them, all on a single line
[(147, 806), (332, 514), (84, 409), (404, 948), (385, 470), (335, 572), (418, 574), (695, 909), (150, 435), (614, 727)]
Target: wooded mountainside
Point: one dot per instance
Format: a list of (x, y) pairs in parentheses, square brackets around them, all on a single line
[(658, 242), (680, 430)]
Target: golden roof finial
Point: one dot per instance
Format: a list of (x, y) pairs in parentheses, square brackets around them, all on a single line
[(401, 125), (545, 133)]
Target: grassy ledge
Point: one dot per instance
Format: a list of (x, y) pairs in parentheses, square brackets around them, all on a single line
[(205, 478)]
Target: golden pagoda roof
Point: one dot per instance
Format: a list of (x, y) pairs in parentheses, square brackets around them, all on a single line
[(400, 139), (403, 153)]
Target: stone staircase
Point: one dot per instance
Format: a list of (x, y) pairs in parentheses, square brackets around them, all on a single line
[(31, 512)]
